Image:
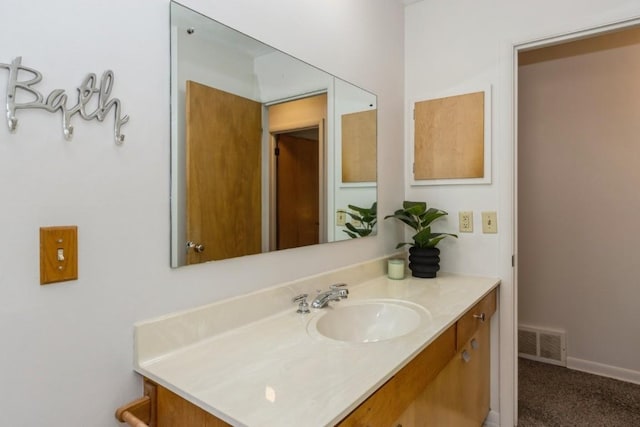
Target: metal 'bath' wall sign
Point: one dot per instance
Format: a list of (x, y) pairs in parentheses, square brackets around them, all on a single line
[(57, 99)]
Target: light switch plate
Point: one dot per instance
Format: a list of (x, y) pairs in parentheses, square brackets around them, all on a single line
[(58, 254), (341, 217), (489, 222)]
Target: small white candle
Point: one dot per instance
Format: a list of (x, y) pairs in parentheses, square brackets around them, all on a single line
[(395, 269)]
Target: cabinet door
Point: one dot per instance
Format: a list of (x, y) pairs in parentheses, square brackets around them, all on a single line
[(174, 411), (393, 398), (459, 396)]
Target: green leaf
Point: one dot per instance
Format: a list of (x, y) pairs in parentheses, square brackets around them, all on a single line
[(353, 236), (399, 245), (407, 219), (422, 237), (356, 217), (431, 215), (437, 237), (414, 208), (351, 227)]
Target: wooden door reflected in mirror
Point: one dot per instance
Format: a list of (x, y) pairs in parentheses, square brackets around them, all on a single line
[(223, 145)]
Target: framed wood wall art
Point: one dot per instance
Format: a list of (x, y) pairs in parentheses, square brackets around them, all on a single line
[(359, 147), (452, 139)]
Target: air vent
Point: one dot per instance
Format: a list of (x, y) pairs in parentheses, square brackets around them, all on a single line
[(527, 342), (543, 345)]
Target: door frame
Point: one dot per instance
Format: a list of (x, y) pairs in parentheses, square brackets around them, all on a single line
[(511, 322), (322, 187)]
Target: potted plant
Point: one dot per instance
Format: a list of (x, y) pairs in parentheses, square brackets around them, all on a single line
[(367, 217), (424, 257)]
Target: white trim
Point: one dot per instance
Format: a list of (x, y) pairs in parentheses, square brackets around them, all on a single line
[(543, 360), (486, 178), (599, 30), (601, 369), (363, 184)]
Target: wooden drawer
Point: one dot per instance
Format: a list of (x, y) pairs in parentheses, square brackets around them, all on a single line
[(390, 401), (476, 316)]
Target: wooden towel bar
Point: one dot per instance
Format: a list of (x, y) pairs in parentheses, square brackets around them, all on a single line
[(130, 412), (140, 412)]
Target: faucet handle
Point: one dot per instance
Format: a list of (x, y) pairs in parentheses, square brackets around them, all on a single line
[(303, 305), (343, 292)]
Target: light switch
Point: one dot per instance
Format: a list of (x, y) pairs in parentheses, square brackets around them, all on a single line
[(341, 217), (58, 254), (489, 222)]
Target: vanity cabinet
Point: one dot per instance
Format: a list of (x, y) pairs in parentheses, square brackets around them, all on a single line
[(459, 395), (390, 400), (446, 384), (170, 410)]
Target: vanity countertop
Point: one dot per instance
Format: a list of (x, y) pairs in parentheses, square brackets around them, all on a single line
[(272, 372)]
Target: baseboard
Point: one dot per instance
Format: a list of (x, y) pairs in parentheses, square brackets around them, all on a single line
[(492, 420), (543, 360), (621, 374)]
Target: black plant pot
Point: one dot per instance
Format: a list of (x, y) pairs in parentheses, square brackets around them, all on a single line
[(424, 262)]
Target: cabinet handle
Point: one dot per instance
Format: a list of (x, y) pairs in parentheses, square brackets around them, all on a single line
[(482, 317), (475, 344), (466, 356)]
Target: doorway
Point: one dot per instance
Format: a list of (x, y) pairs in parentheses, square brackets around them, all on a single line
[(297, 172), (297, 188), (575, 179)]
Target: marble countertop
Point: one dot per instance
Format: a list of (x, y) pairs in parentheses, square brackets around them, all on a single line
[(271, 371)]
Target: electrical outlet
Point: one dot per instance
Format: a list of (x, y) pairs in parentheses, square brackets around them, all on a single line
[(465, 222), (354, 221), (489, 222), (341, 218)]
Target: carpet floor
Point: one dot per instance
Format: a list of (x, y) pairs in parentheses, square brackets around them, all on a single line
[(553, 396)]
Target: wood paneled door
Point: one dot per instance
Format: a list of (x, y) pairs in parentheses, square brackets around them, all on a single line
[(223, 158), (298, 189)]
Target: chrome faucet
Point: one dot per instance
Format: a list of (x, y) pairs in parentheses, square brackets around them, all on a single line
[(335, 293)]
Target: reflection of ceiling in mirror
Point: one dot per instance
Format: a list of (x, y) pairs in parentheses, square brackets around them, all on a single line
[(205, 28)]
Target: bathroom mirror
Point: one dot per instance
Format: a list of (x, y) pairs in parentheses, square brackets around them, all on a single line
[(267, 151)]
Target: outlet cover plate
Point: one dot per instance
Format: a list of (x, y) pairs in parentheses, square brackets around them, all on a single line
[(465, 220)]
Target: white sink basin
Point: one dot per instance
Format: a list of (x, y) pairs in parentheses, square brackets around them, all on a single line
[(368, 320)]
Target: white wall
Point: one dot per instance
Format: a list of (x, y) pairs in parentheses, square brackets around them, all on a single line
[(457, 45), (578, 177), (66, 356)]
